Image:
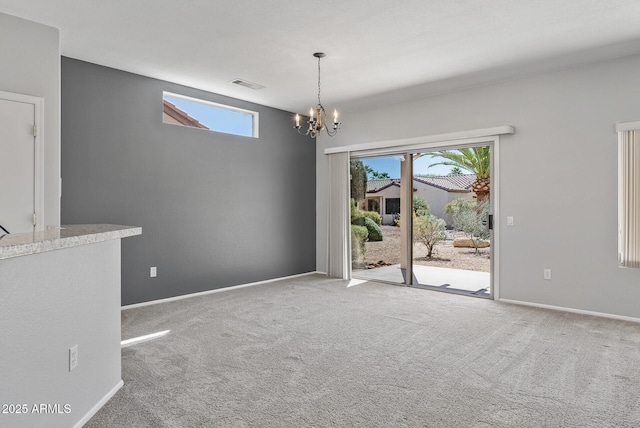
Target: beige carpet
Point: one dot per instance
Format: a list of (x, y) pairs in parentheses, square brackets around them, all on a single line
[(312, 352)]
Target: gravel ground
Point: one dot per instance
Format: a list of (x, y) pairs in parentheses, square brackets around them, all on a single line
[(445, 255)]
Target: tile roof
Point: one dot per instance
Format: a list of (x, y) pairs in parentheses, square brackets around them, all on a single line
[(451, 183), (377, 185)]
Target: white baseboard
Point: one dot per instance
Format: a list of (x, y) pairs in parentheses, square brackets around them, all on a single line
[(99, 405), (217, 290), (572, 310)]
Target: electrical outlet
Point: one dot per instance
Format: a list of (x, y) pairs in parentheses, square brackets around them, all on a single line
[(73, 357), (153, 272), (547, 274)]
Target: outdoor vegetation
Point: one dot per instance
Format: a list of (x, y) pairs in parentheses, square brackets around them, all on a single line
[(365, 227), (427, 228), (420, 206), (375, 175), (358, 180), (460, 245), (476, 160), (470, 217)]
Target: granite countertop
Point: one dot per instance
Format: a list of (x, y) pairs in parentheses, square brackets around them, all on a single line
[(24, 244)]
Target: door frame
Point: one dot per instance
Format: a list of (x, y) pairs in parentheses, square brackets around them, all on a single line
[(486, 137), (38, 167)]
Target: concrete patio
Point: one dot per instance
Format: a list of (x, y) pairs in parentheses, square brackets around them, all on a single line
[(430, 277)]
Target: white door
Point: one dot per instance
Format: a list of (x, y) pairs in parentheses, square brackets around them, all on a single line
[(19, 165)]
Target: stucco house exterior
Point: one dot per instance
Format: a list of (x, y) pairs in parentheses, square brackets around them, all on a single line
[(383, 196)]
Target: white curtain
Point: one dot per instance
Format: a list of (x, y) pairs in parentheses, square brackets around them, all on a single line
[(339, 256), (629, 195)]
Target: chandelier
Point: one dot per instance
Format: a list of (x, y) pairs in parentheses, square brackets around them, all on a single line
[(318, 116)]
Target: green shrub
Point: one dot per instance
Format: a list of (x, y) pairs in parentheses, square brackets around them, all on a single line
[(375, 233), (460, 204), (470, 216), (355, 211), (358, 221), (429, 230), (377, 218), (420, 206), (360, 232), (359, 235)]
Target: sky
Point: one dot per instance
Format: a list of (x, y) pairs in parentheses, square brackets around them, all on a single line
[(391, 165), (216, 118)]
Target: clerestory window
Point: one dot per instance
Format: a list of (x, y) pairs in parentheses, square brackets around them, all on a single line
[(207, 115)]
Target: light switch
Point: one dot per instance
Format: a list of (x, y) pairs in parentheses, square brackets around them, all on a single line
[(510, 220)]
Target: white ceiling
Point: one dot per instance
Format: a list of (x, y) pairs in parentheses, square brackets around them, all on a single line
[(378, 51)]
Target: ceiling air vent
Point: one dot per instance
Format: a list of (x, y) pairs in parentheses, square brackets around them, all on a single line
[(247, 84)]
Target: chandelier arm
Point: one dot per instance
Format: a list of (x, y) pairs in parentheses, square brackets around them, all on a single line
[(304, 133)]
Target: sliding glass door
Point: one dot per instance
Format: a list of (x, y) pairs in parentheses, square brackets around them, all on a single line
[(424, 219), (451, 220), (375, 209)]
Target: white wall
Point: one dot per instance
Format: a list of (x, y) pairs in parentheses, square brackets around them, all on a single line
[(50, 302), (557, 176), (30, 64)]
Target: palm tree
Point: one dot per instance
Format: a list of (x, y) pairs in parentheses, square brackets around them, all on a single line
[(476, 160), (375, 175)]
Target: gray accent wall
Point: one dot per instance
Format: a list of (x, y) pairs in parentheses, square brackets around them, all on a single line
[(216, 210)]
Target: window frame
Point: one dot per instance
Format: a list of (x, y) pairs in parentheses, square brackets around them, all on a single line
[(255, 116), (386, 206)]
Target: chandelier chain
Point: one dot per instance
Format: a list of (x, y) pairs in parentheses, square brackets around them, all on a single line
[(319, 103)]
